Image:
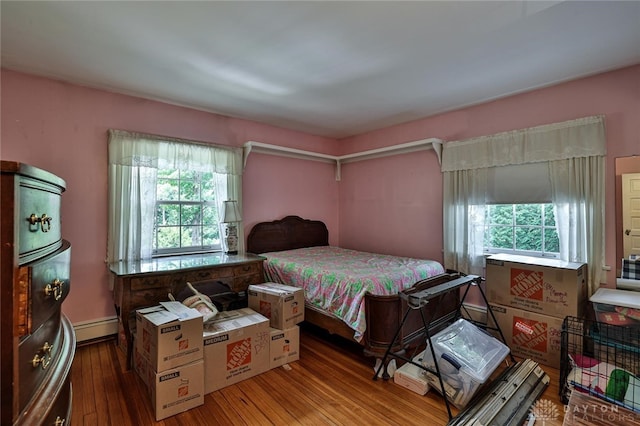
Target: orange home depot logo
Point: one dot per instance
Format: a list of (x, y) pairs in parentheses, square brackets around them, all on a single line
[(530, 334), (183, 344), (239, 353), (183, 390), (527, 284)]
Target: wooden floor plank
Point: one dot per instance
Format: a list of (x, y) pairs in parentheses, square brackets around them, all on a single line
[(86, 371), (266, 403), (99, 390), (116, 407)]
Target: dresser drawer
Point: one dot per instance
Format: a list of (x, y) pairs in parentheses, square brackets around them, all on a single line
[(209, 274), (157, 281), (248, 268), (39, 222), (37, 354), (149, 297), (243, 282), (48, 281), (60, 413)]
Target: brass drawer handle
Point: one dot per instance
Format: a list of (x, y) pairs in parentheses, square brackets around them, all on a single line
[(55, 288), (45, 359), (44, 220), (59, 421)]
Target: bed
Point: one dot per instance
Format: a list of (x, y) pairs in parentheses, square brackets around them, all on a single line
[(350, 293)]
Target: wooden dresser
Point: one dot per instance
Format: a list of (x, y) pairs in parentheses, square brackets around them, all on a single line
[(37, 342), (143, 283)]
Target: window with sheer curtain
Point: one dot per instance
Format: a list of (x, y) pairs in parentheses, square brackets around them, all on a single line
[(165, 195), (561, 164)]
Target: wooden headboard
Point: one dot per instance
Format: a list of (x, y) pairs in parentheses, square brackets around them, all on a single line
[(291, 232)]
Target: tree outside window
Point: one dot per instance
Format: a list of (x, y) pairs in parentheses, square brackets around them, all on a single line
[(528, 229), (186, 218)]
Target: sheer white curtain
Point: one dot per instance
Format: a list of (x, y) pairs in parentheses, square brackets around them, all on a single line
[(579, 205), (463, 203), (574, 151), (134, 159)]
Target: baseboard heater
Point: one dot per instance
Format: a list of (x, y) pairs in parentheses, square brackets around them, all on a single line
[(96, 329), (508, 399)]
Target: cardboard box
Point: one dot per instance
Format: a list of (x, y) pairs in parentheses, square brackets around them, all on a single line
[(236, 347), (171, 391), (529, 334), (169, 335), (413, 377), (547, 286), (284, 346), (282, 304)]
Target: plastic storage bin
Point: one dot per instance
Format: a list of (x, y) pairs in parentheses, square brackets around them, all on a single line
[(466, 356), (617, 307)]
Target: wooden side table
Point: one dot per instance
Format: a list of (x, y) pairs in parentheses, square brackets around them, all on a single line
[(143, 283)]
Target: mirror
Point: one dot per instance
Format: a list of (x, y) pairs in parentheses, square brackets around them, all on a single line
[(624, 165)]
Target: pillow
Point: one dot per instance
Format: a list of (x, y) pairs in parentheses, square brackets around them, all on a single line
[(630, 269)]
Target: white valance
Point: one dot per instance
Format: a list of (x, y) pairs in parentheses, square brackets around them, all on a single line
[(139, 149), (583, 137)]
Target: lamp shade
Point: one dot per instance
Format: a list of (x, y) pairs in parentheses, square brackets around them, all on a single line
[(231, 212)]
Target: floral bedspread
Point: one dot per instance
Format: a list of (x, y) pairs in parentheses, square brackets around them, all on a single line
[(336, 279)]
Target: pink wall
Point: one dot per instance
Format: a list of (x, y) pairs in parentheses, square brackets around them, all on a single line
[(389, 205), (309, 187), (416, 181), (63, 128), (393, 205)]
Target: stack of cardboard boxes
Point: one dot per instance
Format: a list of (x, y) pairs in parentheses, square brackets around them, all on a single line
[(530, 297), (180, 359), (284, 306), (168, 357)]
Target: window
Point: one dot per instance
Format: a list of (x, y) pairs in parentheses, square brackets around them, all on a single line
[(186, 214), (559, 163), (166, 195), (528, 229)]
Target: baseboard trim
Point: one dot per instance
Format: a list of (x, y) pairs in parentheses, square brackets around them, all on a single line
[(96, 329)]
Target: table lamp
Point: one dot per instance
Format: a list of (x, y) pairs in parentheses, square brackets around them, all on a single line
[(231, 218)]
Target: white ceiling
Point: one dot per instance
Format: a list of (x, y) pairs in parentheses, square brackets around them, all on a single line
[(332, 68)]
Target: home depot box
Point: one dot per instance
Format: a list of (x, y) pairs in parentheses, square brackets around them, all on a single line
[(174, 390), (236, 347), (282, 304), (549, 286), (284, 346), (529, 334), (169, 335)]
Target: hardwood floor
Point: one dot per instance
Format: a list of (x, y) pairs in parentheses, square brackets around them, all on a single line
[(331, 384)]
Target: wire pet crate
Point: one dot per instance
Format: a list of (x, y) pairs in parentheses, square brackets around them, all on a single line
[(602, 360)]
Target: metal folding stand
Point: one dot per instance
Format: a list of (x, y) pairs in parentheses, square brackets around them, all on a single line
[(417, 301)]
